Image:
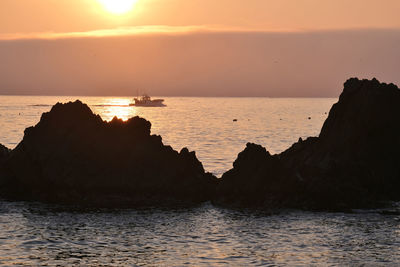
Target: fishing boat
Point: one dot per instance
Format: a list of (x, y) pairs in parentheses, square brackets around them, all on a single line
[(146, 101)]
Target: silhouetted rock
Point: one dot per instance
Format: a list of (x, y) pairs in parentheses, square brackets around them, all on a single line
[(353, 163), (73, 156)]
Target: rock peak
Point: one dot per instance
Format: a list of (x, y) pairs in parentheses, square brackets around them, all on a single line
[(73, 156), (364, 104), (353, 163)]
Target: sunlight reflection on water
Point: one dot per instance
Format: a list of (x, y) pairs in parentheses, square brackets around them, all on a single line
[(115, 107)]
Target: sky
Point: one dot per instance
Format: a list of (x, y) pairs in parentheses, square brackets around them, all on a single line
[(275, 48)]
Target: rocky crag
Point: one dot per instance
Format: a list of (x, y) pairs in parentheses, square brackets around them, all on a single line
[(353, 163), (73, 156)]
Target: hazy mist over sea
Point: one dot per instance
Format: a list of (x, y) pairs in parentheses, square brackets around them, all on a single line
[(272, 64)]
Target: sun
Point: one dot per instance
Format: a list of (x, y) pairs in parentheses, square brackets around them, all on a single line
[(118, 6)]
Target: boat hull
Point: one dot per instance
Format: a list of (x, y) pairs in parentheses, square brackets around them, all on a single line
[(147, 105), (146, 101)]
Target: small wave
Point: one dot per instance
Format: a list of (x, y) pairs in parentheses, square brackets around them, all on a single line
[(40, 105), (111, 106), (33, 243)]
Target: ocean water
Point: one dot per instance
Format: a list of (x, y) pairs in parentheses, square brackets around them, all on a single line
[(204, 125), (39, 234)]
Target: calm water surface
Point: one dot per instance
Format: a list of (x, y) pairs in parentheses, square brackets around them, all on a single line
[(204, 125), (38, 234)]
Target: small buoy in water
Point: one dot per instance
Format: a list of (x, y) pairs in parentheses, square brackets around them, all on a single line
[(234, 119)]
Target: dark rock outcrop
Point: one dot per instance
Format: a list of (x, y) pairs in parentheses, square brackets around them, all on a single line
[(73, 156), (354, 163)]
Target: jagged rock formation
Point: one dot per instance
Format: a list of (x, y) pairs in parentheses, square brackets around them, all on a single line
[(73, 156), (355, 161)]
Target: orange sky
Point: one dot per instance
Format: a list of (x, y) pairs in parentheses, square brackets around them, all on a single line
[(27, 16), (197, 47)]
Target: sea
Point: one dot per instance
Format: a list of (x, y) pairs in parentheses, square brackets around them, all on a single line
[(36, 234)]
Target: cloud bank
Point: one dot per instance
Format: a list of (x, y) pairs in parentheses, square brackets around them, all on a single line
[(196, 61)]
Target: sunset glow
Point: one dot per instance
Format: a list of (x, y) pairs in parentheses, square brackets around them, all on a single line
[(118, 6), (199, 132), (116, 107)]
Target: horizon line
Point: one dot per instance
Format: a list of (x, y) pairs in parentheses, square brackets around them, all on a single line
[(150, 30), (183, 96)]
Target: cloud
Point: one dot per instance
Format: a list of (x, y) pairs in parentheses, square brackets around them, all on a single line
[(142, 30), (197, 61)]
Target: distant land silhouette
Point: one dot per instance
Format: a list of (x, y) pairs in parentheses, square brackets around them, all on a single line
[(73, 156), (272, 64)]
